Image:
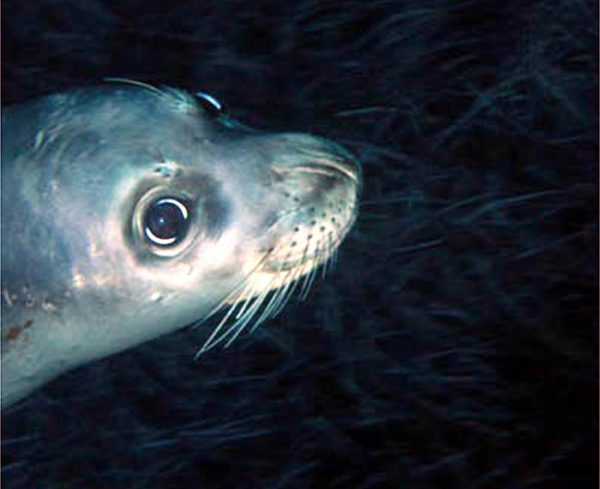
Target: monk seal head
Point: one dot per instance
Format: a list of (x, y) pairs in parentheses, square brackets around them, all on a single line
[(164, 210)]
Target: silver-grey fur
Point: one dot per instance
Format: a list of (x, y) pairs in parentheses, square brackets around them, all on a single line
[(79, 278)]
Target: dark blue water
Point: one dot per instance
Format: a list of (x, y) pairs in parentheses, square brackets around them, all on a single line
[(456, 343)]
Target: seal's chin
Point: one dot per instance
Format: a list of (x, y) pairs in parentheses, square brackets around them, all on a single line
[(282, 272), (260, 296), (319, 200)]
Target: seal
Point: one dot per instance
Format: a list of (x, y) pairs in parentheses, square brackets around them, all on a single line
[(130, 211)]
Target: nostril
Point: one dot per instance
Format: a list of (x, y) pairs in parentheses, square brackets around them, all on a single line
[(329, 167), (336, 161), (309, 154), (345, 161)]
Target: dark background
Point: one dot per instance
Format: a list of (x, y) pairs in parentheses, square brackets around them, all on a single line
[(456, 343)]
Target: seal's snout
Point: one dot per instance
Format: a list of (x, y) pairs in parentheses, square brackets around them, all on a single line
[(317, 184)]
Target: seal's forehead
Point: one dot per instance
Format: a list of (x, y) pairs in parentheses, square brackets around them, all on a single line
[(171, 100), (115, 105), (132, 119)]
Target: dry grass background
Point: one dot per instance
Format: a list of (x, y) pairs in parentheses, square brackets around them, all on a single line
[(456, 344)]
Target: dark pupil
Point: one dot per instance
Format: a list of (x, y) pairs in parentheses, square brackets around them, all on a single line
[(165, 220)]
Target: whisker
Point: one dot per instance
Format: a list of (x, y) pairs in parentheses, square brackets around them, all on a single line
[(247, 311), (333, 259), (240, 325), (239, 292), (243, 284), (269, 307), (284, 296), (209, 343), (261, 317), (325, 265), (308, 281), (266, 311), (296, 281), (242, 318), (307, 278), (249, 294), (287, 292)]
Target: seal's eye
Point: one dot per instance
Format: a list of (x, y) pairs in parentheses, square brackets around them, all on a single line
[(166, 221), (210, 104)]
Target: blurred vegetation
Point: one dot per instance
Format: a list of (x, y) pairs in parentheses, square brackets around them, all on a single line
[(455, 345)]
